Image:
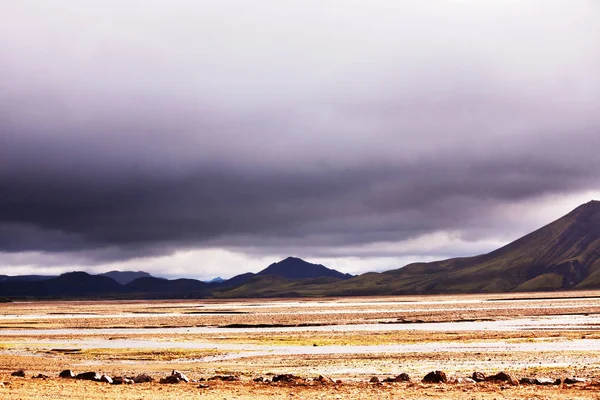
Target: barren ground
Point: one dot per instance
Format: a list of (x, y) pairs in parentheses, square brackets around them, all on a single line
[(349, 339)]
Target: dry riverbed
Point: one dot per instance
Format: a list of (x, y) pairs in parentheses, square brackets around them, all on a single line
[(351, 339)]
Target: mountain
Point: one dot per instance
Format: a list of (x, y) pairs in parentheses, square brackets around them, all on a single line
[(296, 268), (124, 277), (218, 279), (564, 254), (69, 285), (25, 278), (159, 287)]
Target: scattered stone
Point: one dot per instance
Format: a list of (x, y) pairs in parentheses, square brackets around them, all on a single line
[(1, 384), (120, 380), (435, 377), (180, 375), (203, 386), (286, 378), (528, 381), (465, 380), (106, 379), (143, 378), (170, 379), (403, 377), (374, 380), (40, 376), (338, 382), (502, 377), (478, 376), (324, 380), (259, 379), (67, 373), (20, 373), (572, 381), (225, 378), (89, 376), (547, 381)]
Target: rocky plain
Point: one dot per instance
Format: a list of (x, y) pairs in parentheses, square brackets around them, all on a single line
[(465, 346)]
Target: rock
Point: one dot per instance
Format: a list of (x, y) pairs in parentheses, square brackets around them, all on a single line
[(403, 377), (465, 380), (338, 382), (374, 380), (20, 373), (40, 376), (180, 375), (435, 377), (67, 373), (89, 376), (259, 379), (1, 384), (547, 381), (120, 380), (170, 379), (143, 378), (203, 386), (225, 378), (286, 378), (572, 381), (106, 379), (478, 377), (323, 380), (528, 381), (502, 377)]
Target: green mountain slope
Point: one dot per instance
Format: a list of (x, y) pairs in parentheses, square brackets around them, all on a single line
[(564, 254)]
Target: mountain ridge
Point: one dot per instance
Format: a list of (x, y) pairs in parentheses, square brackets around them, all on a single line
[(562, 255)]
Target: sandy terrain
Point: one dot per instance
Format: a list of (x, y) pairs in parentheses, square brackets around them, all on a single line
[(350, 339)]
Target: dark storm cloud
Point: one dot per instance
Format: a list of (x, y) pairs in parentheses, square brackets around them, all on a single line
[(129, 131)]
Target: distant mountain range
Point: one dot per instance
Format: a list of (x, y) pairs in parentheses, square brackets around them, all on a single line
[(130, 284), (564, 254)]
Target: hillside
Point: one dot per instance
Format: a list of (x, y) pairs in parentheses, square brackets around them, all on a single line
[(296, 268), (564, 254), (69, 285), (124, 277)]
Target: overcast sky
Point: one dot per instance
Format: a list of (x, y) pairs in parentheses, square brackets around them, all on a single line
[(210, 138)]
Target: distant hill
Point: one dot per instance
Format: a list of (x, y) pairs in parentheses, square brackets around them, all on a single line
[(564, 254), (296, 268), (158, 287), (124, 277), (218, 279), (291, 268), (69, 285), (25, 278)]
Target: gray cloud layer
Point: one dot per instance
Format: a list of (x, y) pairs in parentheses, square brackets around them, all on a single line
[(136, 128)]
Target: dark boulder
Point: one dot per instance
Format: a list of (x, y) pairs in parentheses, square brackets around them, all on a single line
[(20, 373), (287, 378), (121, 380), (170, 379), (226, 378), (435, 377), (528, 381), (88, 376), (67, 373), (478, 376), (143, 378)]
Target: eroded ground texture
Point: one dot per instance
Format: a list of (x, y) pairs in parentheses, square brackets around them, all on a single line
[(346, 341)]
